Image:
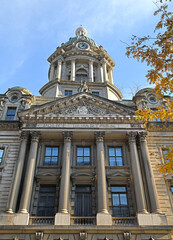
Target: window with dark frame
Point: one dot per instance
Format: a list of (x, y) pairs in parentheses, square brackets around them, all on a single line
[(68, 92), (46, 201), (83, 156), (171, 189), (95, 93), (115, 156), (11, 112), (1, 155), (119, 201), (51, 155), (83, 201)]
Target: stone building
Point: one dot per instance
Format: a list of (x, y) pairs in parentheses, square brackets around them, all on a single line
[(75, 163)]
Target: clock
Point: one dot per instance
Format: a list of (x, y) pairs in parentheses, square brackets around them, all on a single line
[(83, 45)]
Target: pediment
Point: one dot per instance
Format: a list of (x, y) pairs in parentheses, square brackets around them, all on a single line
[(119, 174), (81, 104)]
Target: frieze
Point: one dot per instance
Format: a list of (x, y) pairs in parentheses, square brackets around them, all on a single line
[(84, 108), (80, 125)]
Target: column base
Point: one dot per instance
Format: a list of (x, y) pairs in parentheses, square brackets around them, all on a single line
[(151, 219), (103, 219), (14, 219), (62, 219)]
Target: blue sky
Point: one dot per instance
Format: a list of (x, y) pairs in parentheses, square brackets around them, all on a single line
[(30, 31)]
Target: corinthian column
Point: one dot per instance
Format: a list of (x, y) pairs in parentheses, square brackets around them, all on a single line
[(103, 217), (73, 69), (52, 69), (63, 217), (91, 71), (111, 75), (18, 174), (138, 183), (59, 69), (29, 175), (105, 75), (149, 173)]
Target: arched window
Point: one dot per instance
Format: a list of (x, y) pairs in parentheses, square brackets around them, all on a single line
[(81, 74)]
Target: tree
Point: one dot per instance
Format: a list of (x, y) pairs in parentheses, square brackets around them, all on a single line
[(157, 52)]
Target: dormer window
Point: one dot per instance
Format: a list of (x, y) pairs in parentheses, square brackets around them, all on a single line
[(81, 75), (11, 112)]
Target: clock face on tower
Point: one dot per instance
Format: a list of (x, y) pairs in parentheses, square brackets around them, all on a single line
[(83, 45)]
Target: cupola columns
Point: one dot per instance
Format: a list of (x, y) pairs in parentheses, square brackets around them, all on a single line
[(73, 69), (111, 76), (58, 73), (91, 77), (52, 69), (105, 75)]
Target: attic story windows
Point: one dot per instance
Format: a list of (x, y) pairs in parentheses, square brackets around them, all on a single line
[(115, 156), (81, 75), (51, 156)]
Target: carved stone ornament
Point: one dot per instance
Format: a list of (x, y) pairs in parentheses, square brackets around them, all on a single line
[(83, 236), (39, 235), (35, 136), (67, 136), (127, 236), (83, 108), (142, 136), (132, 136)]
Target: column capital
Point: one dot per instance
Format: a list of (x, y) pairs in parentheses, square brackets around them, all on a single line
[(142, 136), (24, 135), (132, 136), (67, 136), (35, 136), (99, 136)]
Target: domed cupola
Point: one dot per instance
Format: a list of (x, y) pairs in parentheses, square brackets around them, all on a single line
[(77, 60)]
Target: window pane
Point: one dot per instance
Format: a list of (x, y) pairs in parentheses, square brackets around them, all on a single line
[(118, 189), (119, 161), (86, 159), (86, 151), (123, 199), (79, 159), (118, 152), (54, 160), (47, 160), (1, 152), (54, 151), (111, 152), (79, 151), (112, 161), (48, 151), (115, 200)]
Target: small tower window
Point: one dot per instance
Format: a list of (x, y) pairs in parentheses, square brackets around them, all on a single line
[(68, 92)]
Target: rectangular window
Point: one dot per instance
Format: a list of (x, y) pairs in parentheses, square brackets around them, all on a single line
[(95, 93), (11, 111), (83, 201), (119, 201), (115, 156), (1, 155), (46, 201), (51, 156), (68, 92), (172, 189), (83, 156)]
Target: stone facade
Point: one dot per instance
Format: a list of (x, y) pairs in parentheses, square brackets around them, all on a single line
[(75, 163)]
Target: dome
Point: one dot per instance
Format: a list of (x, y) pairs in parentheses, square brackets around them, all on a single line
[(81, 31), (21, 89)]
